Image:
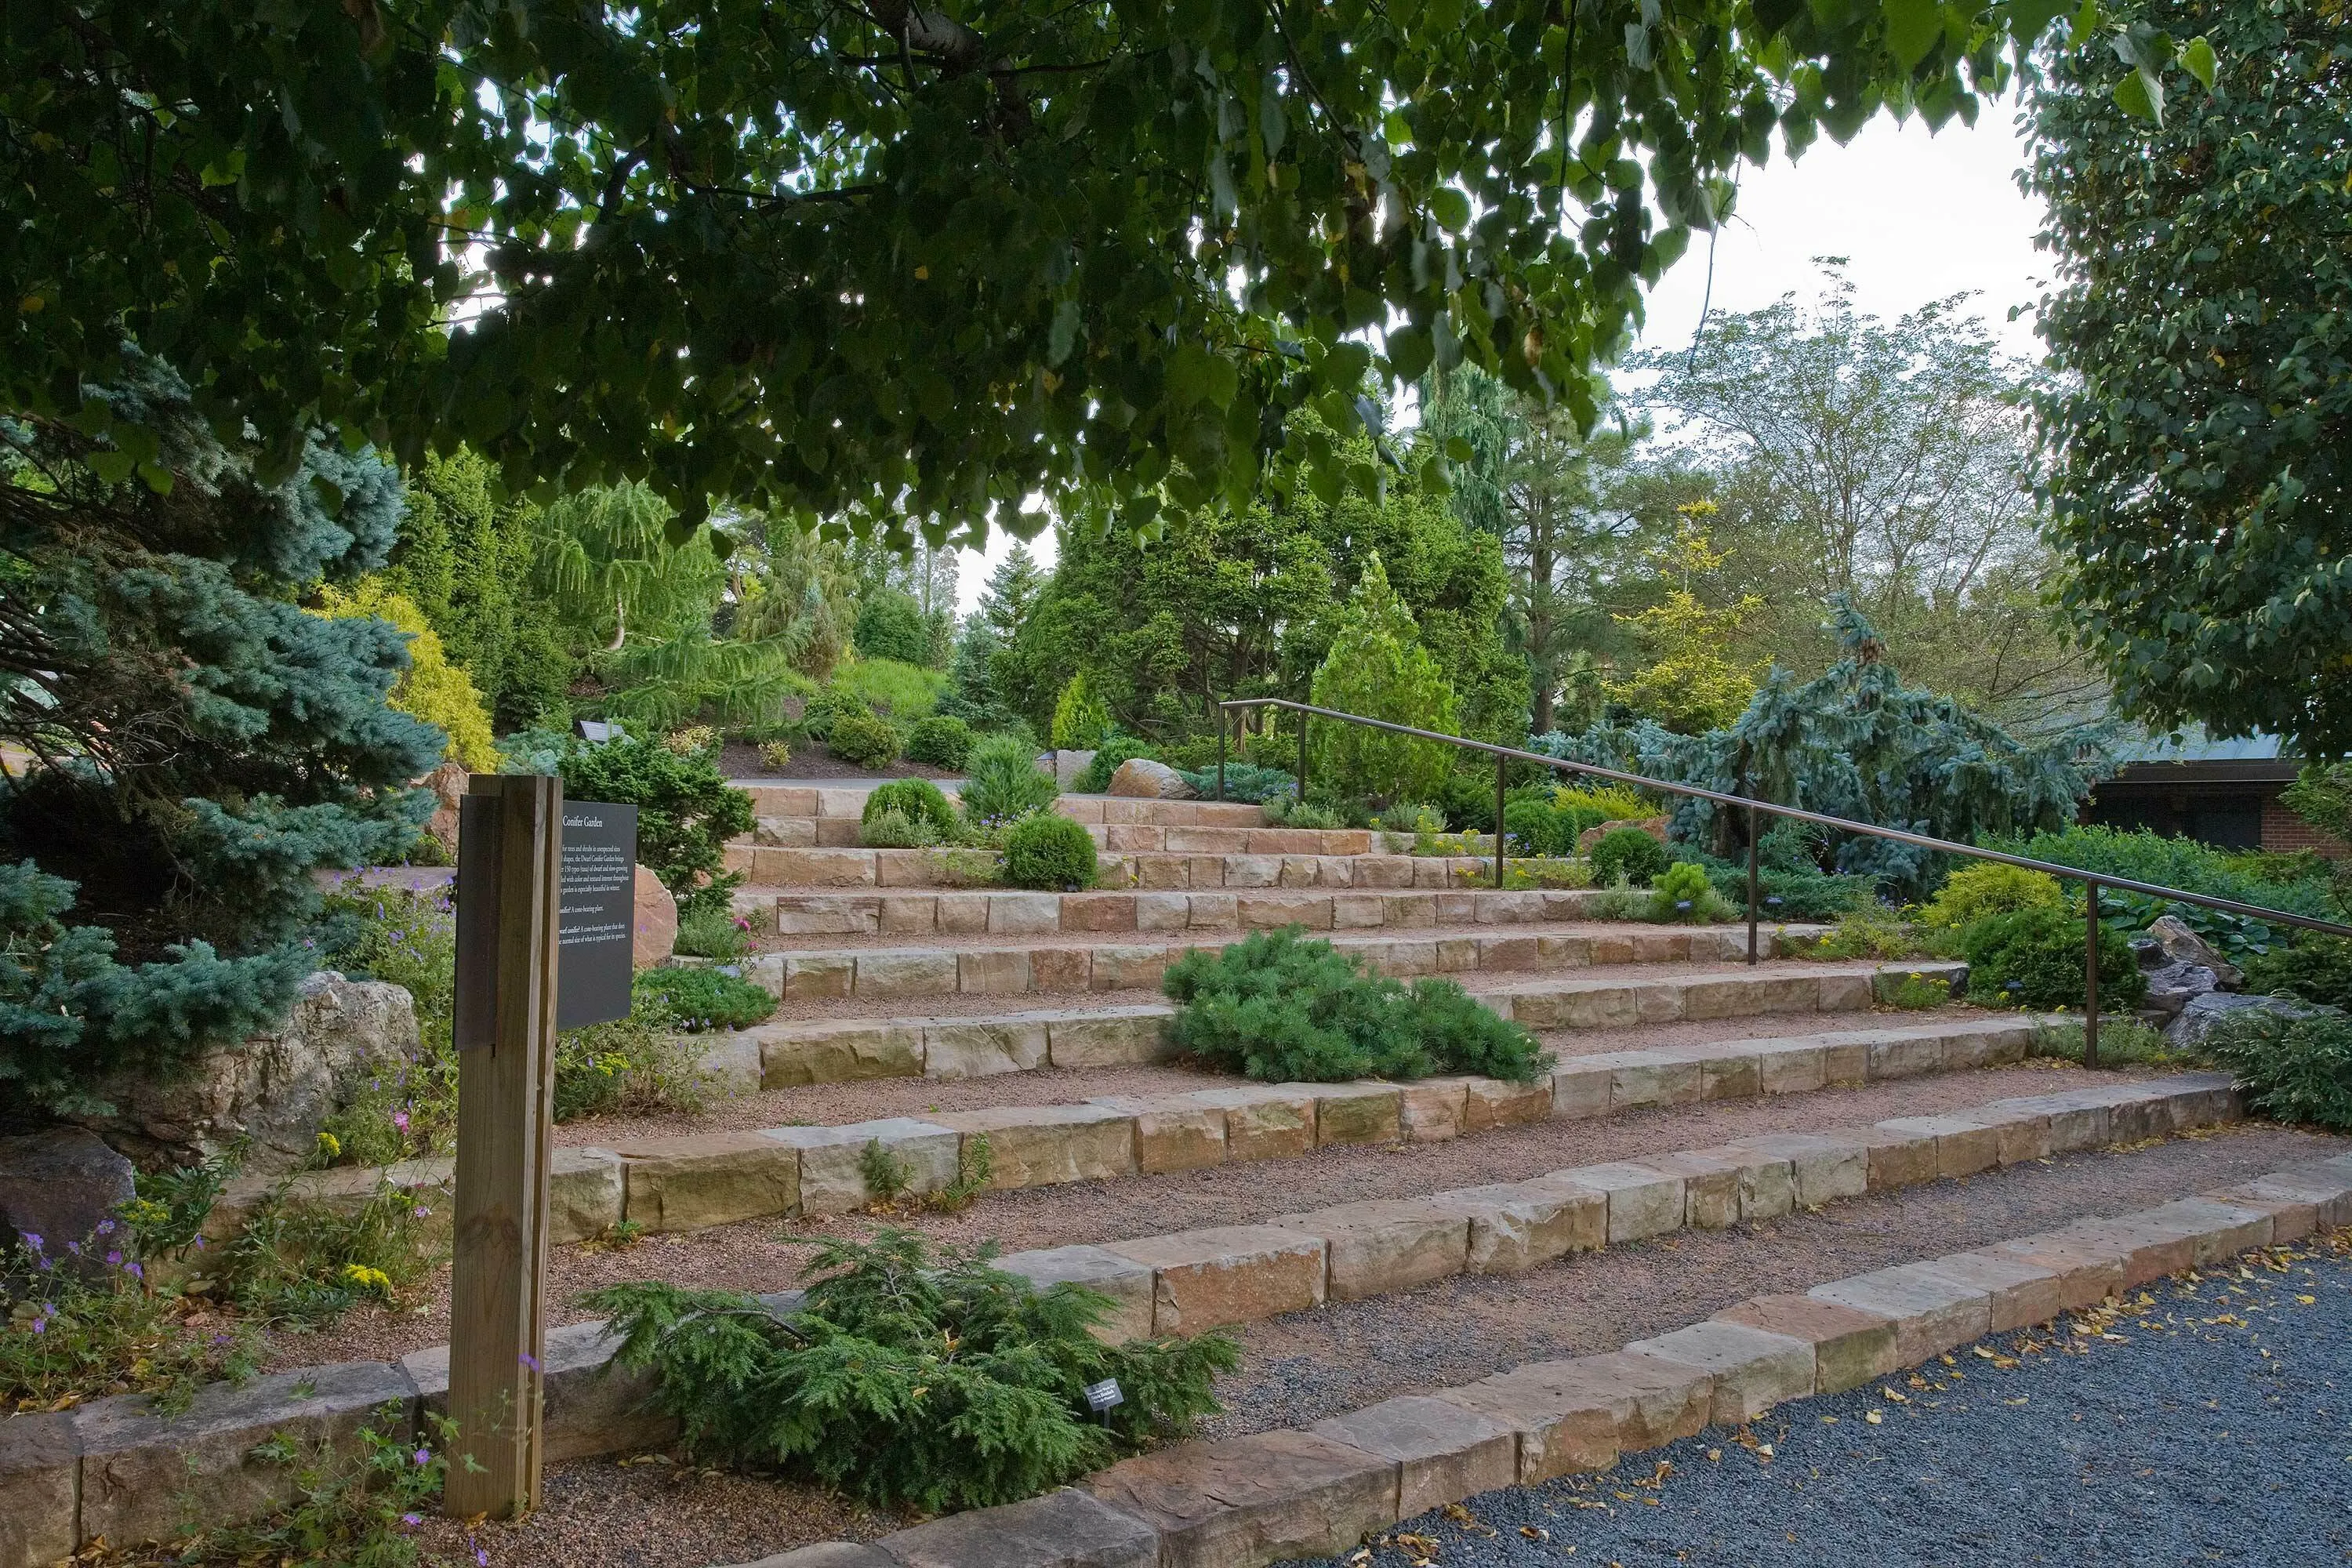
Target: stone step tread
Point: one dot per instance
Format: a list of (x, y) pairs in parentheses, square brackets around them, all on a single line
[(773, 871), (111, 1467), (774, 833), (847, 800)]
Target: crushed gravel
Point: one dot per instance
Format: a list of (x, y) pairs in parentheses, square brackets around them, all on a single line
[(767, 1254), (1299, 1368), (2210, 1426)]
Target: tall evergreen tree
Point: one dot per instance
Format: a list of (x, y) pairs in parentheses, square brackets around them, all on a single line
[(203, 745)]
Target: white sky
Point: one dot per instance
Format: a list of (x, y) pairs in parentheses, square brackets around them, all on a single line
[(1917, 217)]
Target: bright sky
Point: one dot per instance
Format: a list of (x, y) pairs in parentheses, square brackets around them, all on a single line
[(1917, 217)]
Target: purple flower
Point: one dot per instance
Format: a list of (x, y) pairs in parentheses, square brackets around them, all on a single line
[(200, 1244), (114, 1260), (40, 1325), (424, 1455), (33, 1241), (529, 1361), (74, 1247), (481, 1557), (421, 1212), (106, 1227), (136, 1272), (399, 1119), (412, 1519)]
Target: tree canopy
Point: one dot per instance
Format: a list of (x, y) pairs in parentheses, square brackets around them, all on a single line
[(2199, 450), (888, 262)]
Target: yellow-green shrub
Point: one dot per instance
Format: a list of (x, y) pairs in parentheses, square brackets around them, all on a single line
[(434, 690), (1989, 887)]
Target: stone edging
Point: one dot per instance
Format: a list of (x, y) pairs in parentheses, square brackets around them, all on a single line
[(110, 1467), (1243, 1501)]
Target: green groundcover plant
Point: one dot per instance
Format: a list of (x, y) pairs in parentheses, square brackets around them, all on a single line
[(2033, 958), (2316, 969), (698, 999), (911, 1376), (1284, 1009), (2294, 1069)]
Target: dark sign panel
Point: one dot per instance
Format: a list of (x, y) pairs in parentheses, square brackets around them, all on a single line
[(596, 925)]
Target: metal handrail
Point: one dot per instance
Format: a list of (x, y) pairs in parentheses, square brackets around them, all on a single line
[(2092, 882)]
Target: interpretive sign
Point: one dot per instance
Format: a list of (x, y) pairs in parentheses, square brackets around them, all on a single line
[(596, 923)]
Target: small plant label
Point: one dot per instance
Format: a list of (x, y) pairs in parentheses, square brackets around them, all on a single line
[(1101, 1396), (596, 923)]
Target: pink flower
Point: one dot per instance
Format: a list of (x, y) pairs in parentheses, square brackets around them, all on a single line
[(399, 1119)]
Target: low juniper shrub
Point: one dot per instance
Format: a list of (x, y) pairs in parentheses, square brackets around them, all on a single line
[(1050, 852), (1247, 782), (2291, 1069), (699, 999), (1281, 1008), (1003, 783), (1630, 854), (912, 1376), (2314, 969), (1116, 747)]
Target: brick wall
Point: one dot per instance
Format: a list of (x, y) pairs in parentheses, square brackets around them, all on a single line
[(2284, 832)]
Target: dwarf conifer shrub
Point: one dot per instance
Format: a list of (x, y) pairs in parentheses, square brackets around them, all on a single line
[(1988, 888), (698, 999), (1284, 1009), (2293, 1070), (862, 739), (2315, 969), (1683, 894), (1049, 852), (2033, 958), (1629, 854), (1002, 782), (918, 800), (942, 740), (911, 1376)]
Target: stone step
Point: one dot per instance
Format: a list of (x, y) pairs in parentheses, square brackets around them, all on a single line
[(109, 1467), (925, 911), (1239, 1502), (685, 1181), (1123, 837), (773, 872), (113, 1467), (821, 802)]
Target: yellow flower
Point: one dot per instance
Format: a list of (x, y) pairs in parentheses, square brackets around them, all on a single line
[(367, 1278), (331, 1146)]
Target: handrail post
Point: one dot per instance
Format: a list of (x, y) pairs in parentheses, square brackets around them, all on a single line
[(1220, 753), (1751, 883), (1302, 759), (1499, 823), (2090, 971)]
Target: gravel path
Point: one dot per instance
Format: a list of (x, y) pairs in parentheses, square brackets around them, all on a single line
[(2208, 1421), (767, 1254), (1299, 1368), (837, 1104)]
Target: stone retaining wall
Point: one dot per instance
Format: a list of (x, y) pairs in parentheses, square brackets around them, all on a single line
[(110, 1467)]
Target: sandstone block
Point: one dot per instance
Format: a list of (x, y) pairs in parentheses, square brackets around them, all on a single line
[(1579, 1088), (1025, 914), (2018, 1135), (1065, 1529), (1727, 1071), (1098, 911), (1211, 911), (1963, 1147), (1045, 1146), (1847, 992), (1060, 968), (2017, 1294), (1650, 1401), (1494, 1102), (1385, 1245), (585, 1195), (2089, 1269), (2220, 1230), (148, 1478), (1711, 1187), (992, 972), (818, 975), (1126, 1282), (1639, 1078), (851, 1051), (1172, 1131), (1271, 912), (1641, 1200), (832, 1159), (1265, 1123), (1851, 1346), (1356, 1112), (708, 1178), (1823, 1168), (1931, 1312), (40, 1481), (1432, 1110), (1252, 870), (1358, 911), (2329, 1192), (910, 971), (1443, 1451), (1898, 1157), (1128, 968), (1561, 1426), (1242, 1501), (1789, 1066), (828, 914), (1753, 1369), (1110, 1037), (1515, 1225), (964, 914), (1204, 1280), (959, 1049)]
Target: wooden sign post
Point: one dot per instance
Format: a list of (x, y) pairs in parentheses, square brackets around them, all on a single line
[(509, 854), (536, 880)]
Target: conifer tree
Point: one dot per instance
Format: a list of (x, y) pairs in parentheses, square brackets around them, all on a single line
[(201, 744), (1377, 668)]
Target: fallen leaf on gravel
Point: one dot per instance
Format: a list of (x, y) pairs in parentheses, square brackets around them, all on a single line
[(1832, 1420), (1873, 1417), (1890, 1393), (1996, 1357), (1460, 1515), (1536, 1533)]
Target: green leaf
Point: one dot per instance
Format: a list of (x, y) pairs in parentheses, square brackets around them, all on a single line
[(1913, 26), (2140, 97), (1064, 335), (2197, 57), (1450, 207), (1410, 353)]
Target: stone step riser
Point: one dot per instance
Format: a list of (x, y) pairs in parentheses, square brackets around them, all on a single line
[(775, 871), (111, 1469), (915, 911), (774, 833), (787, 803), (1245, 1501), (821, 1051)]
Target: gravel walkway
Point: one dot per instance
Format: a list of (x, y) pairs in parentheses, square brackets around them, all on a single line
[(2208, 1422), (767, 1254), (838, 1104), (1299, 1368)]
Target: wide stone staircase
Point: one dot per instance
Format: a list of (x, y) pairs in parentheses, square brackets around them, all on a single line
[(1433, 1253)]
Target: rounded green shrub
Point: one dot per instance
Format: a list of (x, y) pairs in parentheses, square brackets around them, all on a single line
[(1629, 854), (700, 999), (920, 801), (1050, 852), (943, 741), (2033, 958), (862, 739), (1988, 888), (1681, 893), (1003, 781)]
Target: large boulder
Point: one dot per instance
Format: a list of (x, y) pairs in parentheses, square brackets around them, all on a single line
[(1068, 765), (447, 783), (1148, 780), (655, 930), (275, 1090), (2181, 945), (2174, 986), (2198, 1016), (59, 1185)]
